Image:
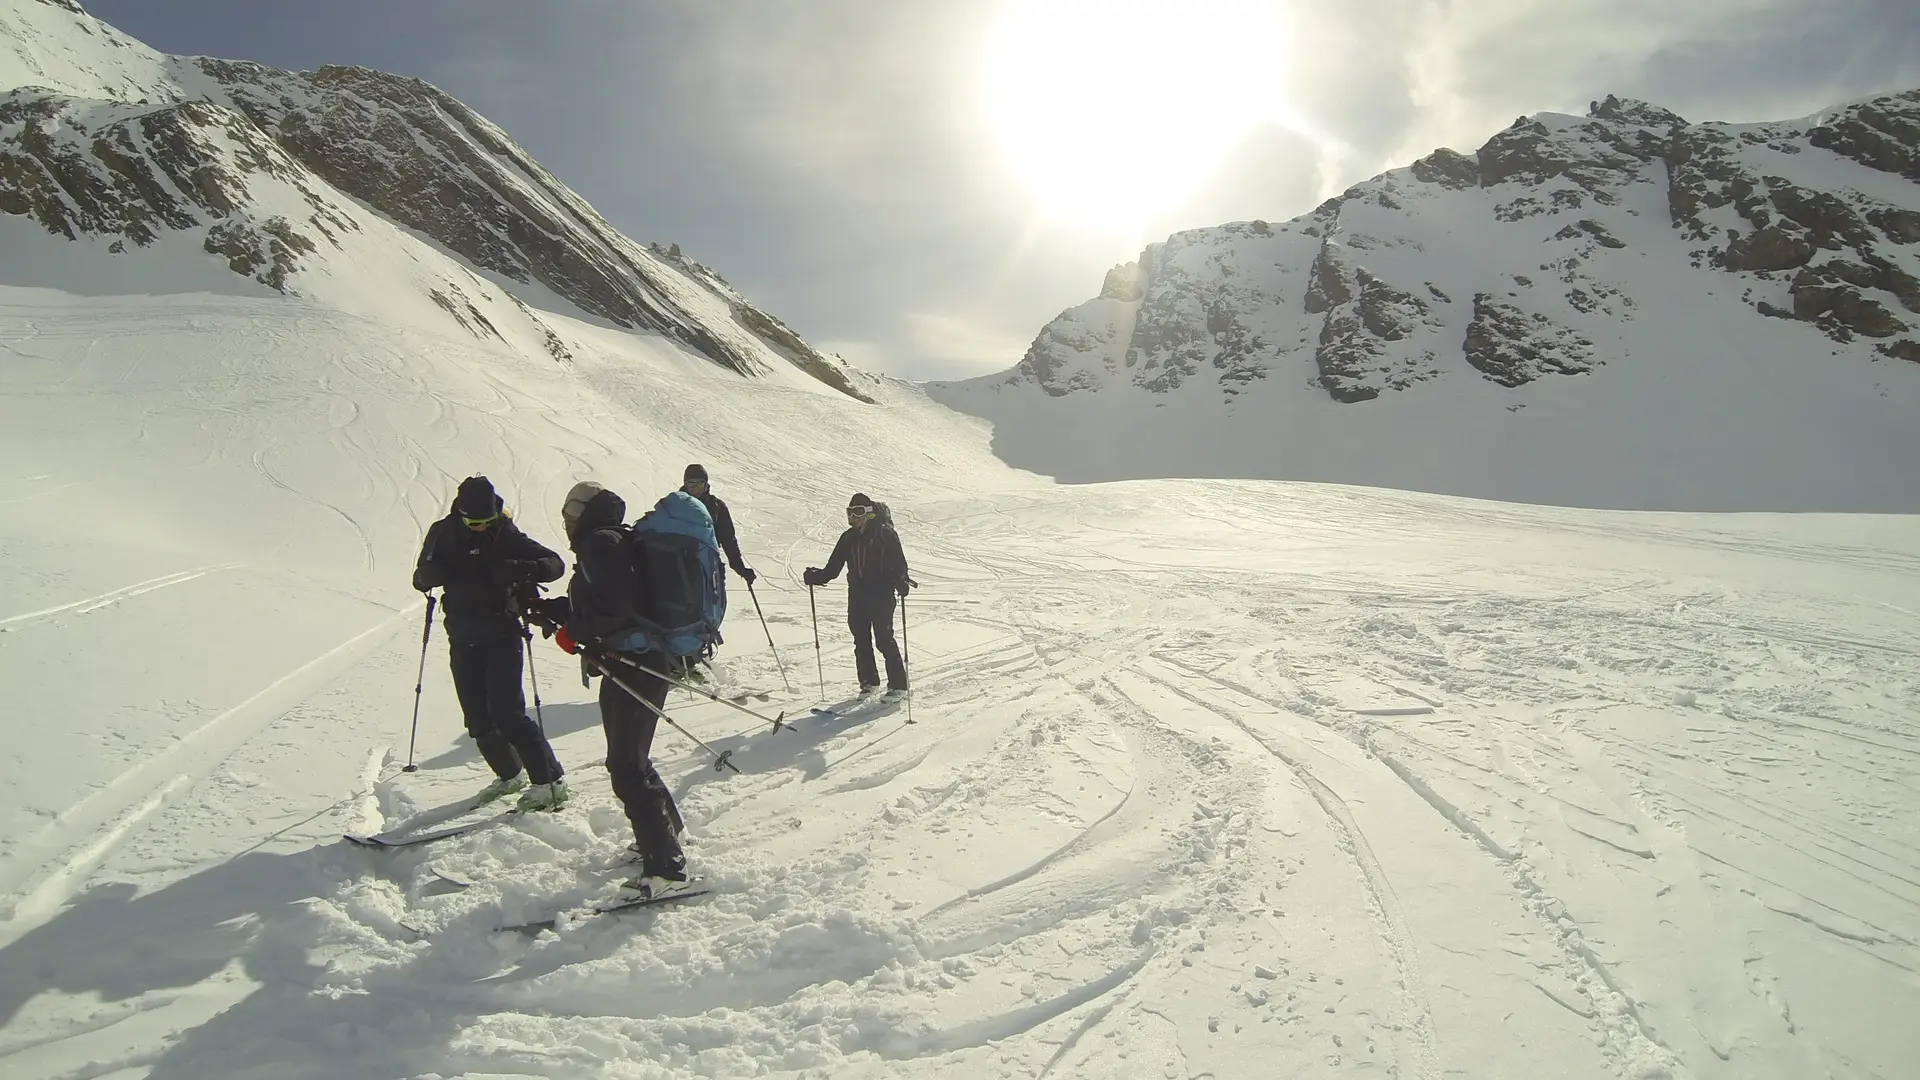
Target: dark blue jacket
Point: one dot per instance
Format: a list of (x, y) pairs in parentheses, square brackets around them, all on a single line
[(480, 573)]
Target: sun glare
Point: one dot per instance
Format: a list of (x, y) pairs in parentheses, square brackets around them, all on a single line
[(1113, 109)]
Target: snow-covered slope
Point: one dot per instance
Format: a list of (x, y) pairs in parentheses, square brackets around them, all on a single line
[(1242, 779), (1621, 310), (351, 186)]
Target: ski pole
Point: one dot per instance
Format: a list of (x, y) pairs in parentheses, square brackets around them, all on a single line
[(770, 644), (906, 655), (778, 722), (420, 680), (817, 665), (533, 677), (720, 757)]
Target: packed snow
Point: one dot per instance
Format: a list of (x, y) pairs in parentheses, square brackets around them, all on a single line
[(1228, 778)]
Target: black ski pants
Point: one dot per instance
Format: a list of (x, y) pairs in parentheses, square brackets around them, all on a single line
[(870, 617), (486, 676), (630, 726)]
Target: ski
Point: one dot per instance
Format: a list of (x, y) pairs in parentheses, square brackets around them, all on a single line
[(405, 839), (610, 907), (874, 705)]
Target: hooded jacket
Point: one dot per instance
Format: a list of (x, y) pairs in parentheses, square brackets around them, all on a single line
[(480, 571), (604, 592)]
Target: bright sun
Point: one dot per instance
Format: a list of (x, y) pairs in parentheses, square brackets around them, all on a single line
[(1113, 109)]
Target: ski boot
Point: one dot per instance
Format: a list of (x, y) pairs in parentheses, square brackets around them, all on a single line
[(545, 797), (501, 788)]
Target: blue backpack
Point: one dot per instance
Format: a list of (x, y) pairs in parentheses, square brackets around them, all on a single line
[(683, 584)]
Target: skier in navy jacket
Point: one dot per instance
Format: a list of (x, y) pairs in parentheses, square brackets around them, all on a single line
[(487, 568)]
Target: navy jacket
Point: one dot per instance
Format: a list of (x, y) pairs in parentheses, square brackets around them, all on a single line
[(480, 572)]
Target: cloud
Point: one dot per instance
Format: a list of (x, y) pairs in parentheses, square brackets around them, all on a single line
[(935, 345)]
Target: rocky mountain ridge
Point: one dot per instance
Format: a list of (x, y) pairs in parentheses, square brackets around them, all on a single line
[(101, 138), (1520, 261)]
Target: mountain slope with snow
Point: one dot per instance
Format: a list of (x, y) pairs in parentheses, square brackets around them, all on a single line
[(1619, 310), (104, 142)]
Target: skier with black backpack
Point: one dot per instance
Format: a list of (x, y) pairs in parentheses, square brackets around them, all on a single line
[(876, 571), (487, 568), (642, 599)]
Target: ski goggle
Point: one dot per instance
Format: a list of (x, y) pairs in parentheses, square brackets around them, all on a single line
[(859, 513), (481, 523), (696, 485)]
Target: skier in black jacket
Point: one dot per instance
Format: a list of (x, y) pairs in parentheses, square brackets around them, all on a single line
[(695, 484), (603, 607), (876, 571), (488, 568)]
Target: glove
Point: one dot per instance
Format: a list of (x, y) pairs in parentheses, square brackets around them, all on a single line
[(905, 587), (747, 573), (813, 576)]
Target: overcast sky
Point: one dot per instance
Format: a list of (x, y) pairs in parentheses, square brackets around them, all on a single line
[(921, 184)]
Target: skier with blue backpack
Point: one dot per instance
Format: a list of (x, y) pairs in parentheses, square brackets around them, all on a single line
[(642, 599)]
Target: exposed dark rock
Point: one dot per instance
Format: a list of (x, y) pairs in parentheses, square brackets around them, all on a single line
[(1123, 282), (428, 162), (789, 344), (266, 252), (1903, 349), (1629, 111), (1326, 284), (1351, 358), (1902, 225), (1831, 294), (1596, 156), (1449, 169), (144, 172), (1829, 222), (1771, 248), (1513, 348), (1881, 134)]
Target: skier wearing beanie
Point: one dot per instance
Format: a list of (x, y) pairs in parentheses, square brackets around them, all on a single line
[(488, 568), (695, 484), (876, 571), (602, 608)]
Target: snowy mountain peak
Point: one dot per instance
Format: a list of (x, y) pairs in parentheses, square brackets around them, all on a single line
[(1608, 259), (1556, 198), (274, 170)]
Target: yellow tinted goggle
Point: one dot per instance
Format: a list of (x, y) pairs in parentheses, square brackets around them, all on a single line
[(481, 523)]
